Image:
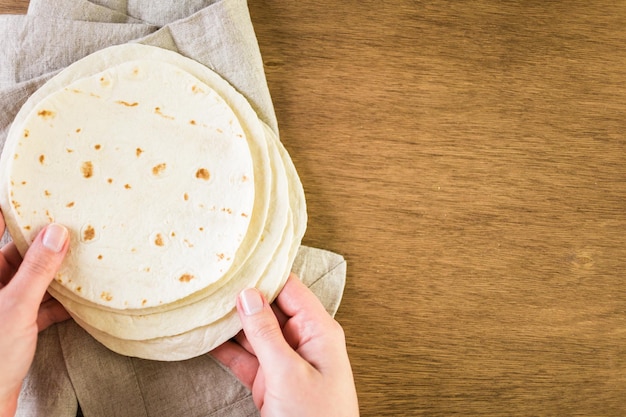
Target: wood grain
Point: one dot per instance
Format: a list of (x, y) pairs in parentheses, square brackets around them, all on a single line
[(13, 6), (469, 161)]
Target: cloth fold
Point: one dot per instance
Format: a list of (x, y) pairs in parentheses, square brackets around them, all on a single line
[(70, 367)]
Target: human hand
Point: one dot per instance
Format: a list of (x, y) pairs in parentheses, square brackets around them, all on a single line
[(25, 307), (292, 355)]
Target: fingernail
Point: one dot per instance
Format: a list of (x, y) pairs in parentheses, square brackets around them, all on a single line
[(251, 301), (54, 237)]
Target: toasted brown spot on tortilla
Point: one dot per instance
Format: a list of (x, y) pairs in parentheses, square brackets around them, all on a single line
[(79, 289), (46, 114), (143, 302), (16, 156), (16, 205), (104, 82), (78, 130), (47, 193), (26, 227), (186, 196), (196, 89), (42, 159), (23, 183), (68, 150), (70, 204), (87, 169), (89, 233), (158, 111), (220, 256), (110, 180), (201, 229), (192, 122), (227, 210), (203, 174), (97, 146), (127, 186), (244, 215), (99, 257), (138, 151), (188, 243), (127, 104), (26, 133), (106, 296), (158, 169), (159, 240), (173, 234), (244, 178), (186, 278), (219, 130)]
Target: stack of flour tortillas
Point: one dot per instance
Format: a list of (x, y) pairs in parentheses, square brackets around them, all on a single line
[(176, 196)]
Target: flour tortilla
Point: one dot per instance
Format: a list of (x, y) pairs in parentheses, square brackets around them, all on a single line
[(150, 171), (199, 340), (103, 60), (203, 339), (270, 255)]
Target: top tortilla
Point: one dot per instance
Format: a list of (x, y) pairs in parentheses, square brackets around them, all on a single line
[(195, 322), (155, 178)]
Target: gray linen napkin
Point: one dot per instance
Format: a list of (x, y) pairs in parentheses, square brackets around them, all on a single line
[(70, 367)]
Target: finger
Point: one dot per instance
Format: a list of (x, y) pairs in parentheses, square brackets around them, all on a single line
[(51, 312), (242, 363), (10, 260), (259, 389), (297, 299), (243, 340), (12, 255), (40, 264), (310, 328), (263, 331), (280, 316), (2, 225), (6, 272)]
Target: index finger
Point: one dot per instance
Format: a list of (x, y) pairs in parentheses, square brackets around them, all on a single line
[(12, 255), (297, 299), (2, 224)]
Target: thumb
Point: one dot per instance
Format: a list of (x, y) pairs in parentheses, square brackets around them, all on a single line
[(262, 329), (40, 264)]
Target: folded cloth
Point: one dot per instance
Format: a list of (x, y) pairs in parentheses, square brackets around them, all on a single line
[(70, 367)]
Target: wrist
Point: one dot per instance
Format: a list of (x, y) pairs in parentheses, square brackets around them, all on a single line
[(8, 404)]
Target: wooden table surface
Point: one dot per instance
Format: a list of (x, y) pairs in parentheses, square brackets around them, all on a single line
[(469, 161)]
